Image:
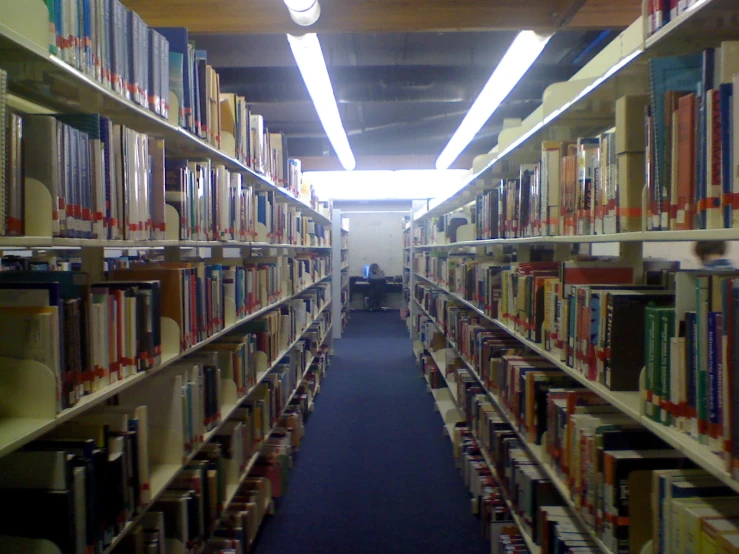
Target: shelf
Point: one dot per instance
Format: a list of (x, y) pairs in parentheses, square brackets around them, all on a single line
[(530, 544), (253, 459), (450, 430), (15, 433), (62, 243), (627, 402), (704, 24), (646, 236), (536, 451), (41, 77), (163, 475), (584, 104)]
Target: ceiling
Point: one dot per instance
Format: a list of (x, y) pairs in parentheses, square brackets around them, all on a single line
[(401, 95)]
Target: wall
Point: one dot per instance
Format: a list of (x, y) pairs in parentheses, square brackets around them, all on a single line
[(375, 234)]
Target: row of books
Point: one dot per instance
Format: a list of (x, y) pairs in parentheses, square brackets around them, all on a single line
[(570, 423), (186, 517), (691, 144), (112, 45), (103, 180), (539, 507), (488, 500), (106, 181), (532, 494), (91, 335), (586, 186), (497, 523), (580, 314), (224, 120), (162, 70), (94, 473), (661, 12), (523, 484), (550, 410), (688, 353), (84, 480), (545, 302), (593, 185)]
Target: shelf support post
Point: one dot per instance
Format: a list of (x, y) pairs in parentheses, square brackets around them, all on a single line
[(562, 252), (633, 254), (93, 260), (172, 253), (523, 253)]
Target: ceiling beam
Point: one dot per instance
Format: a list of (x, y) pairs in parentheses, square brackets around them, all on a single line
[(384, 16), (564, 12)]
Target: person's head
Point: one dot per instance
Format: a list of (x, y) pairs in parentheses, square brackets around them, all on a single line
[(707, 250), (374, 268)]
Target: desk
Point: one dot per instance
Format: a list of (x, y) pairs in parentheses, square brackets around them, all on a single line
[(393, 293)]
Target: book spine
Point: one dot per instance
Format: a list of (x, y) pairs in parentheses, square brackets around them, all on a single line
[(713, 377), (714, 212), (702, 365), (667, 331), (726, 98), (691, 379), (651, 358)]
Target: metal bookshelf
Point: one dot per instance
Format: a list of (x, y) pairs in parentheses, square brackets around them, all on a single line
[(40, 82), (580, 107)]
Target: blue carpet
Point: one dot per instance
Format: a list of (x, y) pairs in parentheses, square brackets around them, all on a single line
[(375, 474)]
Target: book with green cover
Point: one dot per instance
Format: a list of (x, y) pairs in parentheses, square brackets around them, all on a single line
[(667, 331)]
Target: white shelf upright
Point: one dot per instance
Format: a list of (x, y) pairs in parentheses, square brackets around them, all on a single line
[(336, 277)]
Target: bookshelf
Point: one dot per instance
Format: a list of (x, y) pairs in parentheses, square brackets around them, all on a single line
[(344, 284), (340, 279), (577, 105), (259, 270), (15, 432), (454, 262), (447, 403), (162, 477), (536, 451), (78, 92), (408, 274)]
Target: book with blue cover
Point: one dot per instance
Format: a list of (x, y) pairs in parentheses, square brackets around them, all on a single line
[(179, 70)]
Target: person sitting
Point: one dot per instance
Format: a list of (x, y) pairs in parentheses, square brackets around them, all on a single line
[(376, 287)]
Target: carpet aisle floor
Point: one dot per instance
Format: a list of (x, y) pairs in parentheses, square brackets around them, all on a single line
[(375, 474)]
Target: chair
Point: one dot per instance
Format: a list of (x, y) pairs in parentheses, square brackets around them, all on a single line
[(375, 295)]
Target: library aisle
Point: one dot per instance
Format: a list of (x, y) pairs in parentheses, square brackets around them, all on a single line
[(375, 474)]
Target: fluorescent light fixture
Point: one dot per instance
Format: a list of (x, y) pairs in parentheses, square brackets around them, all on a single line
[(521, 55), (307, 52), (383, 184), (304, 12)]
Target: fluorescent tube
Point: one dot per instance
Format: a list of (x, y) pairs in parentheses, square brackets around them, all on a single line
[(522, 53), (307, 52)]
